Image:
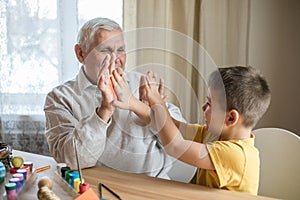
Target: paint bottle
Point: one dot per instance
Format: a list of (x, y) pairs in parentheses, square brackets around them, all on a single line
[(29, 164), (67, 177), (63, 171), (72, 177), (24, 172), (77, 184), (27, 168), (11, 191), (20, 177), (17, 182), (83, 187)]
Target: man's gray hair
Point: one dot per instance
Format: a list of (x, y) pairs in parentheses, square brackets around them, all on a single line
[(87, 32)]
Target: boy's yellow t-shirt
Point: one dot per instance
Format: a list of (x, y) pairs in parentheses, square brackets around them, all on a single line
[(236, 162)]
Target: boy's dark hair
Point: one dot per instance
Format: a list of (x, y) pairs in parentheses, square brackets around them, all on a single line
[(246, 91)]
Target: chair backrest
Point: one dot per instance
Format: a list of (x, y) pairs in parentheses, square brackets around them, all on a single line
[(181, 171), (279, 163)]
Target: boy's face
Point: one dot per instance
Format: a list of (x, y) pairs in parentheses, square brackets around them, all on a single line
[(214, 112)]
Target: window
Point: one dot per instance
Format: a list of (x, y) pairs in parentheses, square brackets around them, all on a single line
[(88, 9), (37, 38)]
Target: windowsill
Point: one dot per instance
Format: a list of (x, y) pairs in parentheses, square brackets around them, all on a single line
[(22, 117), (24, 133)]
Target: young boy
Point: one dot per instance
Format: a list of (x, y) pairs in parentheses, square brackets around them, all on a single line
[(237, 98)]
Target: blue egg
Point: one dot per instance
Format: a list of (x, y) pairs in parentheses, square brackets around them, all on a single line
[(2, 172)]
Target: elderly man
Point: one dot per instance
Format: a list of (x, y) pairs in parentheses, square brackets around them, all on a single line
[(79, 112)]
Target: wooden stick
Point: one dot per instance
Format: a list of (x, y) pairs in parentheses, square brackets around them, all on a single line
[(42, 168)]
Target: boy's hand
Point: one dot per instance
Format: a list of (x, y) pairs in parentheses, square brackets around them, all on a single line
[(142, 88), (159, 112), (154, 93)]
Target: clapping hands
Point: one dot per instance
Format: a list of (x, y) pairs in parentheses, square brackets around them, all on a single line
[(116, 91)]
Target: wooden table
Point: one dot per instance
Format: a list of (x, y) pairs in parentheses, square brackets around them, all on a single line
[(128, 186)]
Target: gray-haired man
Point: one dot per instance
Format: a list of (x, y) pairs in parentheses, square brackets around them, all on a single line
[(77, 111)]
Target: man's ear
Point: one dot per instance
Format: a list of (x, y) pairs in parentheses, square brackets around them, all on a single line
[(232, 117), (78, 52)]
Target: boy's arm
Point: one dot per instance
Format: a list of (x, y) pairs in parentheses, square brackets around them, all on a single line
[(141, 109), (175, 145), (182, 128), (190, 152)]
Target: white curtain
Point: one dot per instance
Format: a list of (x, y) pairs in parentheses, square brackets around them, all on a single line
[(194, 37)]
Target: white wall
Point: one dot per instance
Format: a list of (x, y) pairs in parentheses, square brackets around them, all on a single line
[(275, 50)]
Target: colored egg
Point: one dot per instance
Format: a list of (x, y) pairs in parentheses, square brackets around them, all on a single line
[(2, 172), (17, 161)]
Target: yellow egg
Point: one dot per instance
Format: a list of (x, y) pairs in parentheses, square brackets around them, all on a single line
[(17, 161), (45, 181)]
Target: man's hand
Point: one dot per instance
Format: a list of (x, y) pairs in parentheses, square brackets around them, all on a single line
[(106, 108)]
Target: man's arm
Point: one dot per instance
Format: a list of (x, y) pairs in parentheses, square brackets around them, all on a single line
[(62, 129)]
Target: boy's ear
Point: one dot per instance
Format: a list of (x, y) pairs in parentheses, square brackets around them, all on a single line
[(78, 52), (232, 117)]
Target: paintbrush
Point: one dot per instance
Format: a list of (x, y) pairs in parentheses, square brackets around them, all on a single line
[(82, 186), (78, 165)]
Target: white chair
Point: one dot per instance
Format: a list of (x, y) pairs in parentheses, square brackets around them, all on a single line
[(181, 171), (279, 163)]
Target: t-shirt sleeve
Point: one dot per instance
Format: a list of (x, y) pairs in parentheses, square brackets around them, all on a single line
[(229, 160), (195, 132)]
